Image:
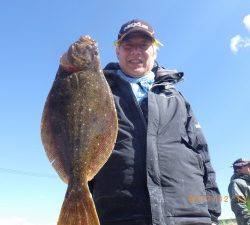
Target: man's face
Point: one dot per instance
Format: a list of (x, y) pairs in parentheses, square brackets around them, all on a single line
[(245, 170), (136, 54)]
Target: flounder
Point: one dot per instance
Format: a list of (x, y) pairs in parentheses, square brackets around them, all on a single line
[(78, 130)]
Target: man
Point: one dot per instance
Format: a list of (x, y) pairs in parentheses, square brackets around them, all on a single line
[(239, 191), (159, 172)]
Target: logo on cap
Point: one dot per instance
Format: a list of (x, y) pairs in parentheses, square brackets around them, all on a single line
[(138, 24)]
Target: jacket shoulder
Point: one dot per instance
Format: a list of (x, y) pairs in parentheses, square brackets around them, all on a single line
[(110, 71), (236, 186)]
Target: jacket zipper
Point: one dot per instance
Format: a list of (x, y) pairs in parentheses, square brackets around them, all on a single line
[(139, 108)]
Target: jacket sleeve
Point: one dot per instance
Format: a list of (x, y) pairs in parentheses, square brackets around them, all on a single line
[(239, 202), (199, 144)]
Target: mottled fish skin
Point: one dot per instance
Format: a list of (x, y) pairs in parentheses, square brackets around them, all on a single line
[(79, 129)]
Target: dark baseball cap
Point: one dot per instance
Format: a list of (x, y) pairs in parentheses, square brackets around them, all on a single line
[(239, 163), (137, 25)]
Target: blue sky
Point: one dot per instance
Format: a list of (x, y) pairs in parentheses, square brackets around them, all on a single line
[(197, 36)]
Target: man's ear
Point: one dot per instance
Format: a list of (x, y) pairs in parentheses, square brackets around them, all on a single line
[(155, 53), (117, 52)]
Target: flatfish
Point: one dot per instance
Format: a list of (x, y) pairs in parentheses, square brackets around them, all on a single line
[(78, 130)]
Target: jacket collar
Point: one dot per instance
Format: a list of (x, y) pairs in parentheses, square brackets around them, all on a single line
[(166, 75), (241, 176)]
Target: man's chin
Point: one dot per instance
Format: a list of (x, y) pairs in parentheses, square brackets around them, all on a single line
[(135, 72), (138, 72)]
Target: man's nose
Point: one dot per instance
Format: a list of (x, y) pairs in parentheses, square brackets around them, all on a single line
[(136, 50)]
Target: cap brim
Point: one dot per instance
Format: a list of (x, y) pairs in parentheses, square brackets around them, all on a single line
[(143, 31), (239, 165)]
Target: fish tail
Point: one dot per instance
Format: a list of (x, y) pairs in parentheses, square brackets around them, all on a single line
[(78, 207)]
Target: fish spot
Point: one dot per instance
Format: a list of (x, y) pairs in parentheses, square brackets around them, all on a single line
[(77, 143)]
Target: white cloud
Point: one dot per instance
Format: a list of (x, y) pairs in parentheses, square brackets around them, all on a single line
[(246, 21), (20, 221), (238, 42), (234, 43)]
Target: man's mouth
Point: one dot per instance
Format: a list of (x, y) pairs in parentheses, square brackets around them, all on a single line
[(135, 61)]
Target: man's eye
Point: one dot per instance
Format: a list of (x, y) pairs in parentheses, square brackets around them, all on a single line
[(126, 46), (129, 47), (144, 46)]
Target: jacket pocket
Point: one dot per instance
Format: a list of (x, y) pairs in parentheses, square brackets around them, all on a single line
[(197, 155)]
